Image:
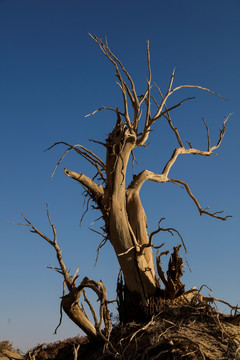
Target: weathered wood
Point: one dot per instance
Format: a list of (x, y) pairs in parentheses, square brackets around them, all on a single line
[(125, 222)]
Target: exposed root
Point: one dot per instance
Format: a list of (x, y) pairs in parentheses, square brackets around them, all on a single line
[(188, 329), (183, 329)]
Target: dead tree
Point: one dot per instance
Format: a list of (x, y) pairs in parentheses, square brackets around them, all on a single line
[(120, 204)]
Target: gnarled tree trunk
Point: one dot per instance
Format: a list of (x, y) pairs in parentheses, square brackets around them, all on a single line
[(121, 207), (123, 213)]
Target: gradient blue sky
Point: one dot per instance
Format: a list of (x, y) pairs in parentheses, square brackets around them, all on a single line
[(52, 74)]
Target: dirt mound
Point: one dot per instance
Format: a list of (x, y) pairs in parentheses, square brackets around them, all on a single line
[(176, 332)]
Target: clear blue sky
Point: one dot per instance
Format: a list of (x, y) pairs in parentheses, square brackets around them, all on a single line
[(52, 74)]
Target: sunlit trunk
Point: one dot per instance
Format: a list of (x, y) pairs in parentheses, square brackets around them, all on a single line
[(127, 221)]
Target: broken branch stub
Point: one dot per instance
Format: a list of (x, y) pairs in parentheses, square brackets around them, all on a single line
[(172, 282)]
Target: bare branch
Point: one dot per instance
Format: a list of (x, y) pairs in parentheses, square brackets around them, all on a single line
[(157, 115), (128, 250), (75, 276), (81, 150), (159, 267), (170, 230), (123, 86), (98, 232), (155, 101), (148, 175), (70, 302), (189, 144), (148, 97), (160, 107), (102, 108), (54, 243), (102, 243), (136, 245), (166, 114), (150, 244), (139, 248), (97, 142), (52, 226), (61, 308), (191, 150), (126, 113), (100, 290), (94, 189), (126, 73), (59, 162), (147, 126), (172, 108), (101, 174), (145, 175), (197, 87), (55, 269), (208, 137), (132, 94), (222, 132), (36, 231), (91, 309), (75, 350), (88, 200), (201, 211), (172, 160)]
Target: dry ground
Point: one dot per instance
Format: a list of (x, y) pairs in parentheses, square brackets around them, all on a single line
[(179, 331)]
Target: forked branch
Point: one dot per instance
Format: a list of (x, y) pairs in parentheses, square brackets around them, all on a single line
[(84, 152), (67, 278), (126, 91), (160, 108), (170, 230), (81, 150), (201, 211), (145, 175), (183, 151), (99, 288), (70, 301)]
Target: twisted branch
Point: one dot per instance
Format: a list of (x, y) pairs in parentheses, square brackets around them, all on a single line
[(170, 230), (201, 211), (70, 302)]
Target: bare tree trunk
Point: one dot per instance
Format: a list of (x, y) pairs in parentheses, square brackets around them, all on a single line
[(121, 207), (127, 219)]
